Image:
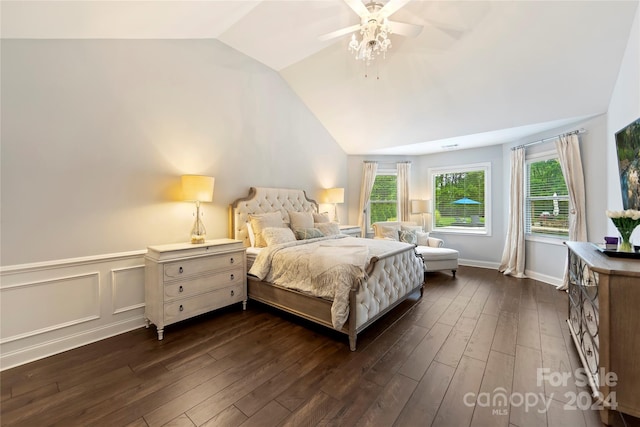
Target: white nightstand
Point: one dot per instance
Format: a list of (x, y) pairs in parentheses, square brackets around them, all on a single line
[(184, 280), (351, 230)]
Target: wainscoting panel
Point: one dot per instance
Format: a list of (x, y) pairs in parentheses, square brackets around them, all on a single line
[(50, 307), (126, 294)]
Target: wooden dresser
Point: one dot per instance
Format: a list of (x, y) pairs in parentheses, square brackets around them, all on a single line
[(604, 319), (184, 280)]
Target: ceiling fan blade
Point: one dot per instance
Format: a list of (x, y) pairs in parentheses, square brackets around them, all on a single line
[(452, 30), (391, 7), (339, 33), (404, 29), (358, 7)]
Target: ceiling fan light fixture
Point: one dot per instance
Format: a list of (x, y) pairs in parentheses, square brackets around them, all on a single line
[(375, 40)]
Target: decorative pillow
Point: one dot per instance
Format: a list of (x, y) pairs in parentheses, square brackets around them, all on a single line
[(277, 235), (408, 236), (321, 217), (328, 228), (411, 228), (260, 222), (308, 233), (388, 232), (299, 220), (423, 238)]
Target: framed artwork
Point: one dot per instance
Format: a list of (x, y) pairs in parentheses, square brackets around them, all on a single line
[(628, 149)]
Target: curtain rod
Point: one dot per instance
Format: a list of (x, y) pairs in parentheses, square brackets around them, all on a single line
[(573, 132)]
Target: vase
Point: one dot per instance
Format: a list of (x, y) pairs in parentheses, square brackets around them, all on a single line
[(625, 245)]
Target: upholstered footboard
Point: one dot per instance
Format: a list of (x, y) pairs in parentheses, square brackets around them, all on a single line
[(390, 280)]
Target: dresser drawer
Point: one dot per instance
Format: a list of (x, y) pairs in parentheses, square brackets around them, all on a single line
[(182, 289), (192, 267), (189, 307)]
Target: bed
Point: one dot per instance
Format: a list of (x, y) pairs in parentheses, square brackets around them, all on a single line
[(390, 273)]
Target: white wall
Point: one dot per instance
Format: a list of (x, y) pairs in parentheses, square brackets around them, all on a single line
[(95, 135), (624, 108)]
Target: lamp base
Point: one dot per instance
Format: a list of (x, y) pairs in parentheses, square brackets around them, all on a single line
[(198, 232), (197, 239)]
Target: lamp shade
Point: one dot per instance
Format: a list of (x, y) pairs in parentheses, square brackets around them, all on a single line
[(335, 195), (420, 206), (197, 188)]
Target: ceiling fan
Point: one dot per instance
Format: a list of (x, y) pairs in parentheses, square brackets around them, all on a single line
[(374, 27)]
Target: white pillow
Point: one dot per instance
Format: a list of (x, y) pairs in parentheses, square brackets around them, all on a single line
[(411, 228), (321, 217), (252, 237), (388, 231), (261, 221), (423, 238), (299, 220), (328, 228), (277, 235)]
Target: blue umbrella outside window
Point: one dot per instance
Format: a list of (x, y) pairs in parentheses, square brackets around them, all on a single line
[(466, 201)]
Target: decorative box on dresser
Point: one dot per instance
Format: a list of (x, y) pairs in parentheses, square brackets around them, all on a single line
[(184, 280), (604, 313)]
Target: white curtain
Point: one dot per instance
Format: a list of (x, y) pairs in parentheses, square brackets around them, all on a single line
[(569, 156), (513, 256), (404, 177), (369, 170)]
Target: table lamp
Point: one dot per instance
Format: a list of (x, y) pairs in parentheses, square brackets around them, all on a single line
[(197, 188), (335, 196), (422, 207)]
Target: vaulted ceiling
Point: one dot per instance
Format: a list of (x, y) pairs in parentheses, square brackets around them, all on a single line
[(479, 73)]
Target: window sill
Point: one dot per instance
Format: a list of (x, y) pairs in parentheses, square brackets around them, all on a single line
[(556, 241), (462, 231)]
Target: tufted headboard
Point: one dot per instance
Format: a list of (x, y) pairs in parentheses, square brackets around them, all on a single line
[(264, 200)]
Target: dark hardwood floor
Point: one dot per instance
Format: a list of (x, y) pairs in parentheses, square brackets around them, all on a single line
[(479, 335)]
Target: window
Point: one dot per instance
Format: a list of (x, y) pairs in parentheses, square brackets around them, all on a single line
[(383, 203), (547, 197), (461, 199)]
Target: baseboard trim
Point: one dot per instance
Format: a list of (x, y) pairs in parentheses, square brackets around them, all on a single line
[(49, 348), (478, 263), (550, 280)]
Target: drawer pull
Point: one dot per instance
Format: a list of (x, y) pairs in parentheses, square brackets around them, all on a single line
[(181, 307), (232, 293), (180, 289), (232, 277), (180, 270), (231, 260)]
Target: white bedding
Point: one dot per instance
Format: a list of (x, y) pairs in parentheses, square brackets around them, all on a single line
[(326, 267)]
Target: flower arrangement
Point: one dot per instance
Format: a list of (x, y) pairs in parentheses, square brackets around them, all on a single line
[(625, 221)]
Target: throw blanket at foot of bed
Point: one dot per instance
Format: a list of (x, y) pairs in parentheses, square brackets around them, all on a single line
[(328, 267)]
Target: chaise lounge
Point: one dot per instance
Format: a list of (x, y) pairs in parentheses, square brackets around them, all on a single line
[(435, 256)]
